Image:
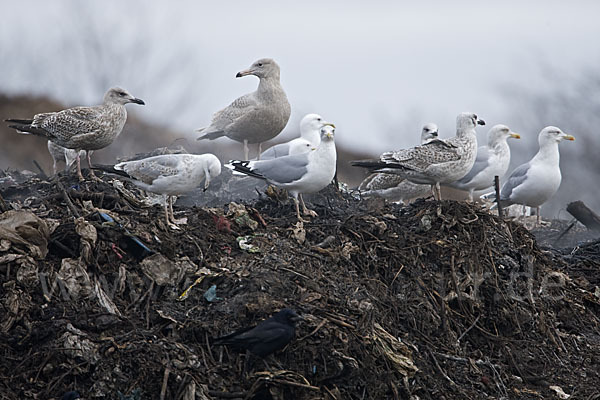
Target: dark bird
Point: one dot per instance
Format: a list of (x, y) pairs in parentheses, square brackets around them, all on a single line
[(265, 338), (72, 395)]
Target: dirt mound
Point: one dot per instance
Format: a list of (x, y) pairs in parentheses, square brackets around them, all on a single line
[(430, 301)]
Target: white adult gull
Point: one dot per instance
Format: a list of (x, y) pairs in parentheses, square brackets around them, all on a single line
[(255, 117), (395, 187), (82, 128), (300, 173), (492, 160), (436, 162), (310, 136), (60, 154), (169, 175), (535, 182)]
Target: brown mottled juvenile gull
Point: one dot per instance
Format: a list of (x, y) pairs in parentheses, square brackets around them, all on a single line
[(82, 128), (535, 182), (492, 160), (310, 137), (395, 187), (300, 173), (169, 175), (255, 117), (60, 153), (439, 161)]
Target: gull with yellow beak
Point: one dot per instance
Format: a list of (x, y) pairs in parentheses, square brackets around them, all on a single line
[(300, 173), (492, 160), (310, 136), (535, 182)]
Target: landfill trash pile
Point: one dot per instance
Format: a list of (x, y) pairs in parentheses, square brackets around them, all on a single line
[(435, 300)]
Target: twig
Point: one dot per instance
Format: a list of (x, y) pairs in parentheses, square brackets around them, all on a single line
[(497, 187), (301, 385), (227, 395), (3, 205), (294, 272), (440, 368), (468, 329), (565, 231), (163, 390), (321, 324), (67, 198), (42, 173)]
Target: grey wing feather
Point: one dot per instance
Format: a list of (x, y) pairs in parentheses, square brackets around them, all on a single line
[(421, 157), (278, 150), (481, 162), (230, 114), (149, 169), (282, 170), (516, 178), (68, 123)]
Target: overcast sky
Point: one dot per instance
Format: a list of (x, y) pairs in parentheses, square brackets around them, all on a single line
[(378, 69)]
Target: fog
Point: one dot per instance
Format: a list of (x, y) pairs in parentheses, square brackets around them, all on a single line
[(379, 70)]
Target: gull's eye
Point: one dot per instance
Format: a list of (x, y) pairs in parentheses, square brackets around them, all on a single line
[(122, 94), (259, 64)]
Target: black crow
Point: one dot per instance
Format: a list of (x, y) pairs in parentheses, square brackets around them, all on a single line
[(265, 338)]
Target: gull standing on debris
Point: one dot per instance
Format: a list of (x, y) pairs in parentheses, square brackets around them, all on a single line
[(436, 162), (169, 175), (535, 182), (492, 160), (60, 153), (395, 187), (265, 338), (300, 173), (255, 117), (82, 128), (310, 137)]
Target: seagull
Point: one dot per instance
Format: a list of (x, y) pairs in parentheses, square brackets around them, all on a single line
[(436, 162), (60, 153), (535, 182), (309, 137), (82, 128), (169, 175), (492, 160), (265, 338), (300, 173), (255, 117), (395, 187)]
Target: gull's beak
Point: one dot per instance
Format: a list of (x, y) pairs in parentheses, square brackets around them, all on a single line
[(480, 122), (329, 135), (515, 135), (569, 137), (243, 73), (137, 101), (330, 124), (206, 179), (434, 133)]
